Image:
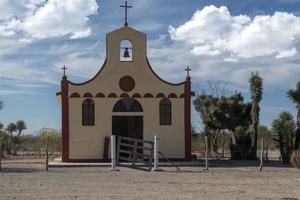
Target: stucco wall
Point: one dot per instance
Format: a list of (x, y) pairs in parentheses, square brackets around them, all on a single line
[(87, 142)]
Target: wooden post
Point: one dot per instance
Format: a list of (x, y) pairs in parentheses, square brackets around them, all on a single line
[(47, 155), (113, 153), (261, 154), (206, 152), (0, 155), (156, 154)]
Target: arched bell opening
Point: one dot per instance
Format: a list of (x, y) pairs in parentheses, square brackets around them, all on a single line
[(126, 51)]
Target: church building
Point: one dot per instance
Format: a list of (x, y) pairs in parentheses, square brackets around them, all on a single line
[(127, 98)]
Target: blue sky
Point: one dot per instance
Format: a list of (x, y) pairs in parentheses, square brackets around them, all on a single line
[(220, 40)]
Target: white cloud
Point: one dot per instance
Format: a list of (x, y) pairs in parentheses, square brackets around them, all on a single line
[(213, 30), (287, 53), (39, 19)]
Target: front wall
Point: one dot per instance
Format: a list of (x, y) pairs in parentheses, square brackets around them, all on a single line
[(87, 142)]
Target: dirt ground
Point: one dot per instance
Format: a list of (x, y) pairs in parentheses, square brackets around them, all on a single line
[(224, 180)]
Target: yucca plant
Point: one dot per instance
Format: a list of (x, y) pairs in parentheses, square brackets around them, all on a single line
[(283, 133), (256, 89), (294, 95)]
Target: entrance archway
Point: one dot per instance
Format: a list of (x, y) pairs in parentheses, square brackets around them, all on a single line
[(128, 125)]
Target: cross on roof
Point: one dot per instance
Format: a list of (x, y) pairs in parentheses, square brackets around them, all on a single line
[(64, 69), (188, 69), (126, 7)]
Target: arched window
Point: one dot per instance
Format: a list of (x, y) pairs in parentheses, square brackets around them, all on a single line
[(126, 51), (88, 112), (127, 105), (165, 112)]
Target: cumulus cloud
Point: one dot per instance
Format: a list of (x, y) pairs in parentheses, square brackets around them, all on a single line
[(214, 31), (39, 19)]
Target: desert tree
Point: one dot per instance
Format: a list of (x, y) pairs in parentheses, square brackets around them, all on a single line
[(256, 90), (207, 95), (233, 112), (20, 126), (294, 95), (283, 133), (11, 128)]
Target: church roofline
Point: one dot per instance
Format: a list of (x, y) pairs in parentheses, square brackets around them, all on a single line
[(149, 65), (126, 27)]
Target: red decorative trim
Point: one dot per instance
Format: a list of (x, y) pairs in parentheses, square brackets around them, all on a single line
[(112, 95), (174, 84), (136, 95), (182, 95), (160, 95), (124, 95), (172, 95), (100, 95), (87, 95), (187, 119), (75, 95), (148, 95), (126, 83), (104, 64), (65, 118)]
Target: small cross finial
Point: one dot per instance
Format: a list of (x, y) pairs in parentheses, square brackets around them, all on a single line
[(126, 7), (188, 69), (64, 69)]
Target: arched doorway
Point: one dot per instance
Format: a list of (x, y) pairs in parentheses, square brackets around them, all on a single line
[(128, 125)]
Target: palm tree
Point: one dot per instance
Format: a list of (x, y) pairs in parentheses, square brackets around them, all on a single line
[(1, 105), (1, 126), (20, 126), (294, 95), (256, 89)]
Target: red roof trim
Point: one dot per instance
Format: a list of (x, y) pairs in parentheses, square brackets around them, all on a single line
[(75, 95), (172, 95), (160, 95), (100, 95), (148, 95), (87, 95), (136, 95), (112, 95), (124, 95)]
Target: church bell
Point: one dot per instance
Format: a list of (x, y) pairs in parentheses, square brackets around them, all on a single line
[(126, 53)]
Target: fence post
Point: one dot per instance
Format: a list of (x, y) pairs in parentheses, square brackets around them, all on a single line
[(206, 152), (0, 155), (113, 153), (261, 155), (134, 152), (47, 155), (156, 154)]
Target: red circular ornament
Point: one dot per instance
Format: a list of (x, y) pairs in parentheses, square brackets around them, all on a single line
[(127, 83)]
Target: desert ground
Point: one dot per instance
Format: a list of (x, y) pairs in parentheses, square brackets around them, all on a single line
[(27, 179)]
